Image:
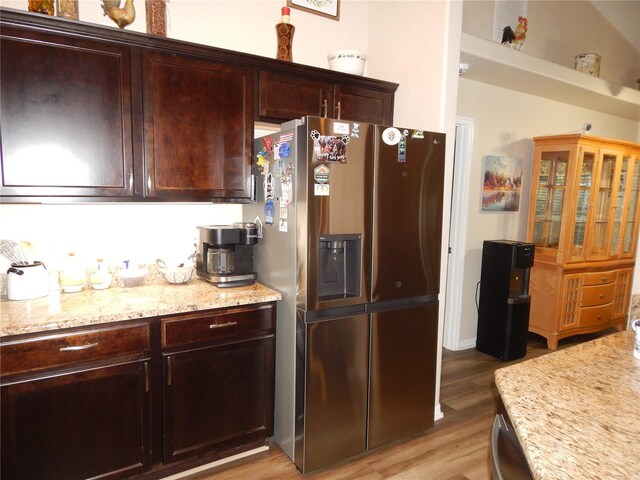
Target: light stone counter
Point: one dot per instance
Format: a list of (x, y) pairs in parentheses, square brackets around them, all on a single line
[(90, 307), (577, 411)]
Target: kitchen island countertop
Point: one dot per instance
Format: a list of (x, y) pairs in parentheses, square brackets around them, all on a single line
[(576, 412), (91, 307)]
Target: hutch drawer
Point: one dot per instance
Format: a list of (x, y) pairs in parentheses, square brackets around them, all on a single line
[(599, 278), (593, 295)]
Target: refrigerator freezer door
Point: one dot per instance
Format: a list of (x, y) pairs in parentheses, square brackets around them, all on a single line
[(333, 412), (337, 193), (403, 370), (407, 209)]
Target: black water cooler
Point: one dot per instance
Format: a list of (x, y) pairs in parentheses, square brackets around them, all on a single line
[(503, 314)]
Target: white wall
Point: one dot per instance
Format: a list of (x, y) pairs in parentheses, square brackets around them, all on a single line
[(559, 30), (505, 122)]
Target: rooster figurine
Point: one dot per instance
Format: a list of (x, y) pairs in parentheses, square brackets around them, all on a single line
[(122, 16), (520, 32), (515, 39)]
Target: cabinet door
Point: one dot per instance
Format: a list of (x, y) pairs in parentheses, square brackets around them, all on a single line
[(581, 214), (285, 97), (629, 240), (363, 105), (570, 305), (218, 397), (550, 187), (198, 128), (603, 203), (66, 116), (622, 292), (86, 424)]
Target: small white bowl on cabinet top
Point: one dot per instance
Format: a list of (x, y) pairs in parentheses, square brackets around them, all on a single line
[(347, 61)]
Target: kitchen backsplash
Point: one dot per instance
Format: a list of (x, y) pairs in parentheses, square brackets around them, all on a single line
[(139, 233)]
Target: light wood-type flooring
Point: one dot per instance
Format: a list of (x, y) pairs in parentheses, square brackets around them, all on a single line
[(457, 448)]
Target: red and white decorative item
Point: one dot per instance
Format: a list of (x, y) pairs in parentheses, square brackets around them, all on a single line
[(285, 32)]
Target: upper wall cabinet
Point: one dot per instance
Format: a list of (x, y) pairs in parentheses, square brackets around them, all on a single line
[(198, 127), (66, 116), (283, 97), (92, 113)]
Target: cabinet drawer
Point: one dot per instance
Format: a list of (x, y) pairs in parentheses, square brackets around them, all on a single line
[(218, 325), (597, 294), (594, 316), (41, 353), (599, 278)]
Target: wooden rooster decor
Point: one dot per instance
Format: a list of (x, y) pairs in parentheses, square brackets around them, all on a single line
[(122, 16), (515, 39)]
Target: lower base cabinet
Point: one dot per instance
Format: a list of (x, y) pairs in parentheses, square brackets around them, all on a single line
[(141, 400), (567, 303), (86, 424)]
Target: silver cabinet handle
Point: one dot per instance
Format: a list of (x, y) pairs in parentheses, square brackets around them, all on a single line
[(339, 111), (325, 107), (75, 348), (223, 325)]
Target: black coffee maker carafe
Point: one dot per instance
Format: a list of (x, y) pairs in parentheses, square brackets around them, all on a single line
[(224, 255)]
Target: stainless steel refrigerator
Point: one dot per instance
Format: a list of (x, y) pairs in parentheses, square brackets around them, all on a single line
[(351, 221)]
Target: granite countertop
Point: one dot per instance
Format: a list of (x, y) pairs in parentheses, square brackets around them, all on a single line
[(91, 307), (576, 412)]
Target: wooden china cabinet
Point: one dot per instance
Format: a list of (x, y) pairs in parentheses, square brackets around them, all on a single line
[(583, 220)]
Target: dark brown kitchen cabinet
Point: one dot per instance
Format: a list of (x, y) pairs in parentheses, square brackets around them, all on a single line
[(283, 97), (218, 380), (363, 104), (198, 122), (93, 113), (77, 405), (66, 116)]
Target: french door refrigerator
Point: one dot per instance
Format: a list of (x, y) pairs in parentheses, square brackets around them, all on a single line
[(351, 222)]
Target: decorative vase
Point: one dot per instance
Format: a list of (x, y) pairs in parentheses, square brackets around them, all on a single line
[(285, 31), (156, 17), (41, 6), (67, 9)]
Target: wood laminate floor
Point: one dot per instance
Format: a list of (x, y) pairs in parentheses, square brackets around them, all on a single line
[(457, 448)]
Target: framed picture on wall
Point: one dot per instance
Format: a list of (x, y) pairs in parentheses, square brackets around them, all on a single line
[(326, 8), (501, 184)]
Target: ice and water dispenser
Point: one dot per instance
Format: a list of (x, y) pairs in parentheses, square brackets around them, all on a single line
[(503, 312), (339, 262)]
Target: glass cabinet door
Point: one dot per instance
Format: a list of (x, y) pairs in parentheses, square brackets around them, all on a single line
[(616, 228), (582, 205), (552, 180), (629, 237), (602, 208)]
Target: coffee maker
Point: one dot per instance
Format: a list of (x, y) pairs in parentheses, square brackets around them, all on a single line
[(224, 255)]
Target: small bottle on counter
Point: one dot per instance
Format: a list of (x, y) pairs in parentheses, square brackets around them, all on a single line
[(285, 32), (100, 279), (73, 276)]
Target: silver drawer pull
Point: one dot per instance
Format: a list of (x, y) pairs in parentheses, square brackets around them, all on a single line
[(78, 347), (223, 325)]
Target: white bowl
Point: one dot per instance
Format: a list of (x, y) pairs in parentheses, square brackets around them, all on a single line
[(347, 61)]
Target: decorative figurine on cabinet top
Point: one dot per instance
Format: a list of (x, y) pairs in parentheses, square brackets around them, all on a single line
[(515, 39), (122, 16)]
